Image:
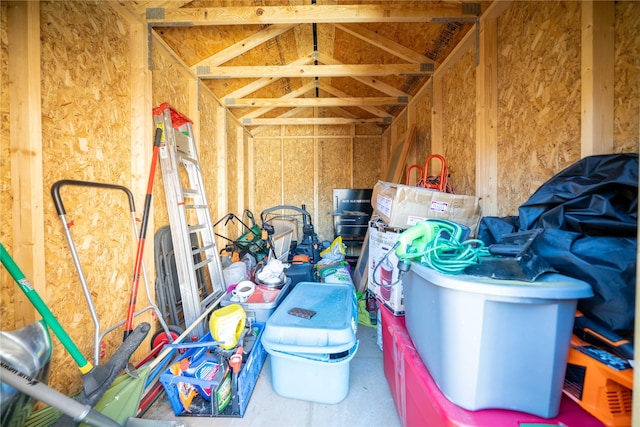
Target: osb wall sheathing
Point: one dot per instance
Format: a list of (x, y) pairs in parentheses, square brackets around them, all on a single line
[(298, 155), (267, 166), (334, 171), (86, 136), (538, 97), (7, 286), (208, 151), (366, 162), (422, 142), (232, 174), (627, 77), (459, 126)]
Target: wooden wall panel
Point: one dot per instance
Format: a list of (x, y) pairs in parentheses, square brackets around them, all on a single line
[(334, 171), (366, 162), (232, 174), (538, 97), (85, 108), (459, 133), (7, 286), (297, 171), (627, 77), (208, 150), (422, 143), (267, 168)]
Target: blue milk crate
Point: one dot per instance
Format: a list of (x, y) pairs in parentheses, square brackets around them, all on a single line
[(199, 407)]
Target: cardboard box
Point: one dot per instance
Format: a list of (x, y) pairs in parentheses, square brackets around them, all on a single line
[(384, 271), (401, 206)]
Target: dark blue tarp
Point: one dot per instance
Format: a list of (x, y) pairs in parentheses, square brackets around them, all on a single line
[(589, 213)]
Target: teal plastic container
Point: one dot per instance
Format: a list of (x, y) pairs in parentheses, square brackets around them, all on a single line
[(310, 357)]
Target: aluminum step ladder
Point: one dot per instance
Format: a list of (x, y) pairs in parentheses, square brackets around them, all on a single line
[(196, 254)]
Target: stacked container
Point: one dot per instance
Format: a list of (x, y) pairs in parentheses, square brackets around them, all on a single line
[(311, 338), (492, 343)]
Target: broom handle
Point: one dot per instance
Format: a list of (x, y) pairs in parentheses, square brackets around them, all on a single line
[(26, 287)]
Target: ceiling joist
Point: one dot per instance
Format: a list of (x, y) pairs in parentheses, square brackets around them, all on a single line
[(314, 121), (328, 14), (314, 102), (344, 70)]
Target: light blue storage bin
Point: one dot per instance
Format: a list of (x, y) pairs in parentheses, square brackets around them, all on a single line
[(310, 357)]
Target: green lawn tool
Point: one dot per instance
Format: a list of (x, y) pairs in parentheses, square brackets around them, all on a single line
[(96, 380), (71, 408)]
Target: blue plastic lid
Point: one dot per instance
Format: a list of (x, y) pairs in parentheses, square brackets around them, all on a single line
[(547, 286), (331, 329)]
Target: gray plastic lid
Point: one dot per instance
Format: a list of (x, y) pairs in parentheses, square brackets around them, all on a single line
[(547, 286), (331, 329)]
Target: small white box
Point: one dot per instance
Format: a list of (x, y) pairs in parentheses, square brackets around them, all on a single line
[(383, 270)]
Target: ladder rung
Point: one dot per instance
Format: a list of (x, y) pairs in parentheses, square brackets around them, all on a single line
[(202, 249), (185, 158), (190, 192), (196, 206), (202, 264), (197, 227)]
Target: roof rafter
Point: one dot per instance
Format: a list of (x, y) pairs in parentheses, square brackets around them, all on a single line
[(243, 46), (385, 44)]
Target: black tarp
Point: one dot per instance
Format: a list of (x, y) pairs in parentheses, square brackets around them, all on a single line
[(589, 214)]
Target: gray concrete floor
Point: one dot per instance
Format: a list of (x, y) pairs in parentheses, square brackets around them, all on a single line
[(368, 402)]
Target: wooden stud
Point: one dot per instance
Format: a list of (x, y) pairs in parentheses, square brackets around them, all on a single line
[(597, 77), (26, 152)]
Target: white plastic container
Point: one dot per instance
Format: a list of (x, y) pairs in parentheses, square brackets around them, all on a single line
[(494, 343), (260, 311), (310, 357), (234, 273)]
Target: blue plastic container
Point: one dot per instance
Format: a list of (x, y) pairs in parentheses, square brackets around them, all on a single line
[(310, 356), (247, 379)]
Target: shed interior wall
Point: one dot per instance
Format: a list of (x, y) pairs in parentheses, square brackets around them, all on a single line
[(87, 101)]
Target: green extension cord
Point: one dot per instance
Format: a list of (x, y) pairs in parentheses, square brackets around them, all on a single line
[(450, 256)]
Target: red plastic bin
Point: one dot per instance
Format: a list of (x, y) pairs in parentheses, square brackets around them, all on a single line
[(420, 403)]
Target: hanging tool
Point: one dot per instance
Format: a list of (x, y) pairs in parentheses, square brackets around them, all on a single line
[(143, 234)]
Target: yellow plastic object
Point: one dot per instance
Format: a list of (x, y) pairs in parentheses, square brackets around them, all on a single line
[(226, 325)]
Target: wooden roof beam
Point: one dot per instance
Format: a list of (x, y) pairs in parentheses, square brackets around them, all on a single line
[(316, 102), (265, 81), (291, 121), (242, 46), (308, 14), (373, 110), (385, 44), (343, 70), (367, 80), (293, 94)]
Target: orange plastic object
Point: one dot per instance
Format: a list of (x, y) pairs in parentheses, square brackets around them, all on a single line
[(601, 383)]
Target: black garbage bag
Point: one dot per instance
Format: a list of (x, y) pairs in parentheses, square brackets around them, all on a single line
[(589, 213)]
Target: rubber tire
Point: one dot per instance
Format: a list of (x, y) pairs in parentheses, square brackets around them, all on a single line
[(160, 337)]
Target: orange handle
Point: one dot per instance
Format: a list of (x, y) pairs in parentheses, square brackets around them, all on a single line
[(235, 361)]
